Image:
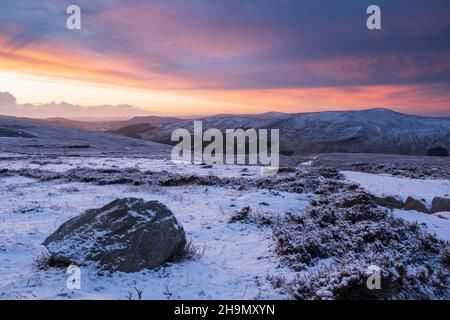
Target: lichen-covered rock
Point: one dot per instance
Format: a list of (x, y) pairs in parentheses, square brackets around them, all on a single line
[(413, 204), (440, 205), (125, 235)]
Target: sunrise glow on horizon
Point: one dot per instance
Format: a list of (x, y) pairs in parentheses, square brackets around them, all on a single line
[(208, 57)]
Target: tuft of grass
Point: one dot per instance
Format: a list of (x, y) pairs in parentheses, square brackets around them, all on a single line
[(139, 294), (189, 252), (241, 215), (277, 281), (47, 260), (256, 217)]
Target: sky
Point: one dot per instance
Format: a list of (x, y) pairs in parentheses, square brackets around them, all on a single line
[(201, 57)]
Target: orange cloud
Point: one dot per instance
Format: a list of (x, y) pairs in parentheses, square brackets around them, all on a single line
[(50, 60)]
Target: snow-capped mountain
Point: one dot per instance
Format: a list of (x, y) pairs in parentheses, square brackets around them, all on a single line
[(364, 131), (371, 131)]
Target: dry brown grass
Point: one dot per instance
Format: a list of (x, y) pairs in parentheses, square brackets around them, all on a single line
[(189, 252), (46, 261)]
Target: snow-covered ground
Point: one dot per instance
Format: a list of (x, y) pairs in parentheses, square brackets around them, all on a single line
[(238, 257), (386, 185), (62, 164), (235, 265), (437, 223)]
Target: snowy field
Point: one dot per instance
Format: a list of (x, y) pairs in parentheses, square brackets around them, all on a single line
[(237, 260), (62, 164), (386, 185)]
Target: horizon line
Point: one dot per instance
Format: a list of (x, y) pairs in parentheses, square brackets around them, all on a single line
[(204, 116)]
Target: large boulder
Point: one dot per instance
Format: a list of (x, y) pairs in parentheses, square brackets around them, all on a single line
[(440, 205), (413, 204), (125, 235)]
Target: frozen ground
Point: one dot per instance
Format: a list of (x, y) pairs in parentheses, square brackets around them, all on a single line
[(62, 164), (235, 265), (238, 257), (437, 223)]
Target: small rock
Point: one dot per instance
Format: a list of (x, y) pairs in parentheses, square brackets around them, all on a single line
[(440, 205), (413, 204), (389, 202), (329, 172)]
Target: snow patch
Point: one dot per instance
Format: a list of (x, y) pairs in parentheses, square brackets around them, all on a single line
[(385, 185), (435, 224)]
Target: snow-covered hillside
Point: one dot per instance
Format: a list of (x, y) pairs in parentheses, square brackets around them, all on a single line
[(17, 135), (366, 131)]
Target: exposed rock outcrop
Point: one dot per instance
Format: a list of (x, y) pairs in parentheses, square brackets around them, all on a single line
[(413, 204), (389, 202), (440, 205)]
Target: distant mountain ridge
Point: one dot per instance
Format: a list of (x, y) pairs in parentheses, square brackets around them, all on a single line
[(362, 131), (365, 131)]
